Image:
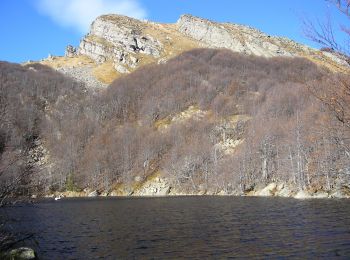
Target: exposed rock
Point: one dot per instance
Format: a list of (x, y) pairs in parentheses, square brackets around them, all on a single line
[(22, 253), (38, 155), (117, 37), (336, 57), (84, 75), (320, 195), (302, 194), (235, 37), (155, 187), (128, 43), (339, 194), (269, 190), (70, 51), (283, 191), (121, 69), (93, 193)]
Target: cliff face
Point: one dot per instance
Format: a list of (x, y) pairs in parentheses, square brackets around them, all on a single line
[(121, 44), (123, 39), (120, 39), (235, 37)]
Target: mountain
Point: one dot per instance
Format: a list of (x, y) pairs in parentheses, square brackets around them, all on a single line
[(251, 115), (118, 44)]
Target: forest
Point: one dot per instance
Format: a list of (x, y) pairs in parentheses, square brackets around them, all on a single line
[(208, 120)]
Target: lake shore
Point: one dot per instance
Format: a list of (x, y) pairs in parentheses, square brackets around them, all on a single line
[(159, 187)]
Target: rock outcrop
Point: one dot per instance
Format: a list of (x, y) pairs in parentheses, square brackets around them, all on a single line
[(120, 39), (154, 187), (70, 51), (235, 37), (22, 253), (126, 43)]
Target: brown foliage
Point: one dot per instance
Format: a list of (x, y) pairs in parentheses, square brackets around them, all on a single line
[(102, 139)]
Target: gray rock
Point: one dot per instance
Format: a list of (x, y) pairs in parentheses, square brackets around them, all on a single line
[(116, 37), (83, 75), (70, 51), (339, 194), (320, 195), (164, 191), (235, 37), (121, 69), (284, 192), (93, 193), (269, 190), (302, 194), (22, 253)]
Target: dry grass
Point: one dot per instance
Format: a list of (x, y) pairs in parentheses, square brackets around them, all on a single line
[(105, 72), (77, 61), (174, 43)]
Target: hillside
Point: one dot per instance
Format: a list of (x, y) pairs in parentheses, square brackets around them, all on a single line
[(117, 45), (245, 114), (206, 122)]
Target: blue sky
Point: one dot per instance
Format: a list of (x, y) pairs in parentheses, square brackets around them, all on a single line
[(31, 29)]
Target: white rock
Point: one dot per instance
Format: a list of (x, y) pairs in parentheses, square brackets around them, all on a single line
[(302, 195), (121, 69), (235, 37), (22, 253), (116, 37), (93, 194), (338, 194), (320, 195), (284, 192), (269, 190)]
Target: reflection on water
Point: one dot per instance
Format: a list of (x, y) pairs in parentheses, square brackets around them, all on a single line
[(191, 227)]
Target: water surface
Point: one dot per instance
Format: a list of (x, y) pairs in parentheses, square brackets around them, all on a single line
[(186, 227)]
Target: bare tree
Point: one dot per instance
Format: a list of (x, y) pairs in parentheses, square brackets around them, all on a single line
[(325, 33)]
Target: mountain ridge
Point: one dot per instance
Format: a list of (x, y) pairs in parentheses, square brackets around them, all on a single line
[(122, 44)]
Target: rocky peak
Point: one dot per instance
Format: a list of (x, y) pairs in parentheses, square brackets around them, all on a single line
[(118, 44), (120, 39)]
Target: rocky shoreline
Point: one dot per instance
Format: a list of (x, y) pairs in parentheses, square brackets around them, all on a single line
[(159, 187)]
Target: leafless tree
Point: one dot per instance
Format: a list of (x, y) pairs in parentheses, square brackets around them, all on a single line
[(324, 32)]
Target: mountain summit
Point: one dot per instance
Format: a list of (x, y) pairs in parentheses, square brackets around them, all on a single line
[(118, 44)]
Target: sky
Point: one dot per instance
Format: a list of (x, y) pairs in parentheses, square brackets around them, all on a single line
[(33, 29)]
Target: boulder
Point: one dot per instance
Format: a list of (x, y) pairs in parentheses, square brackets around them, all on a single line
[(302, 194), (269, 190), (22, 253), (93, 193), (70, 51), (284, 192), (163, 192), (121, 69)]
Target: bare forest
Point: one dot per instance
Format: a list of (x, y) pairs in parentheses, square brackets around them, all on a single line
[(207, 119)]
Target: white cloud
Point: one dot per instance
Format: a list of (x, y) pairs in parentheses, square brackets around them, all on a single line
[(79, 14)]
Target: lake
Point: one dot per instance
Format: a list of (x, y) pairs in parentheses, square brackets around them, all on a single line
[(186, 227)]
